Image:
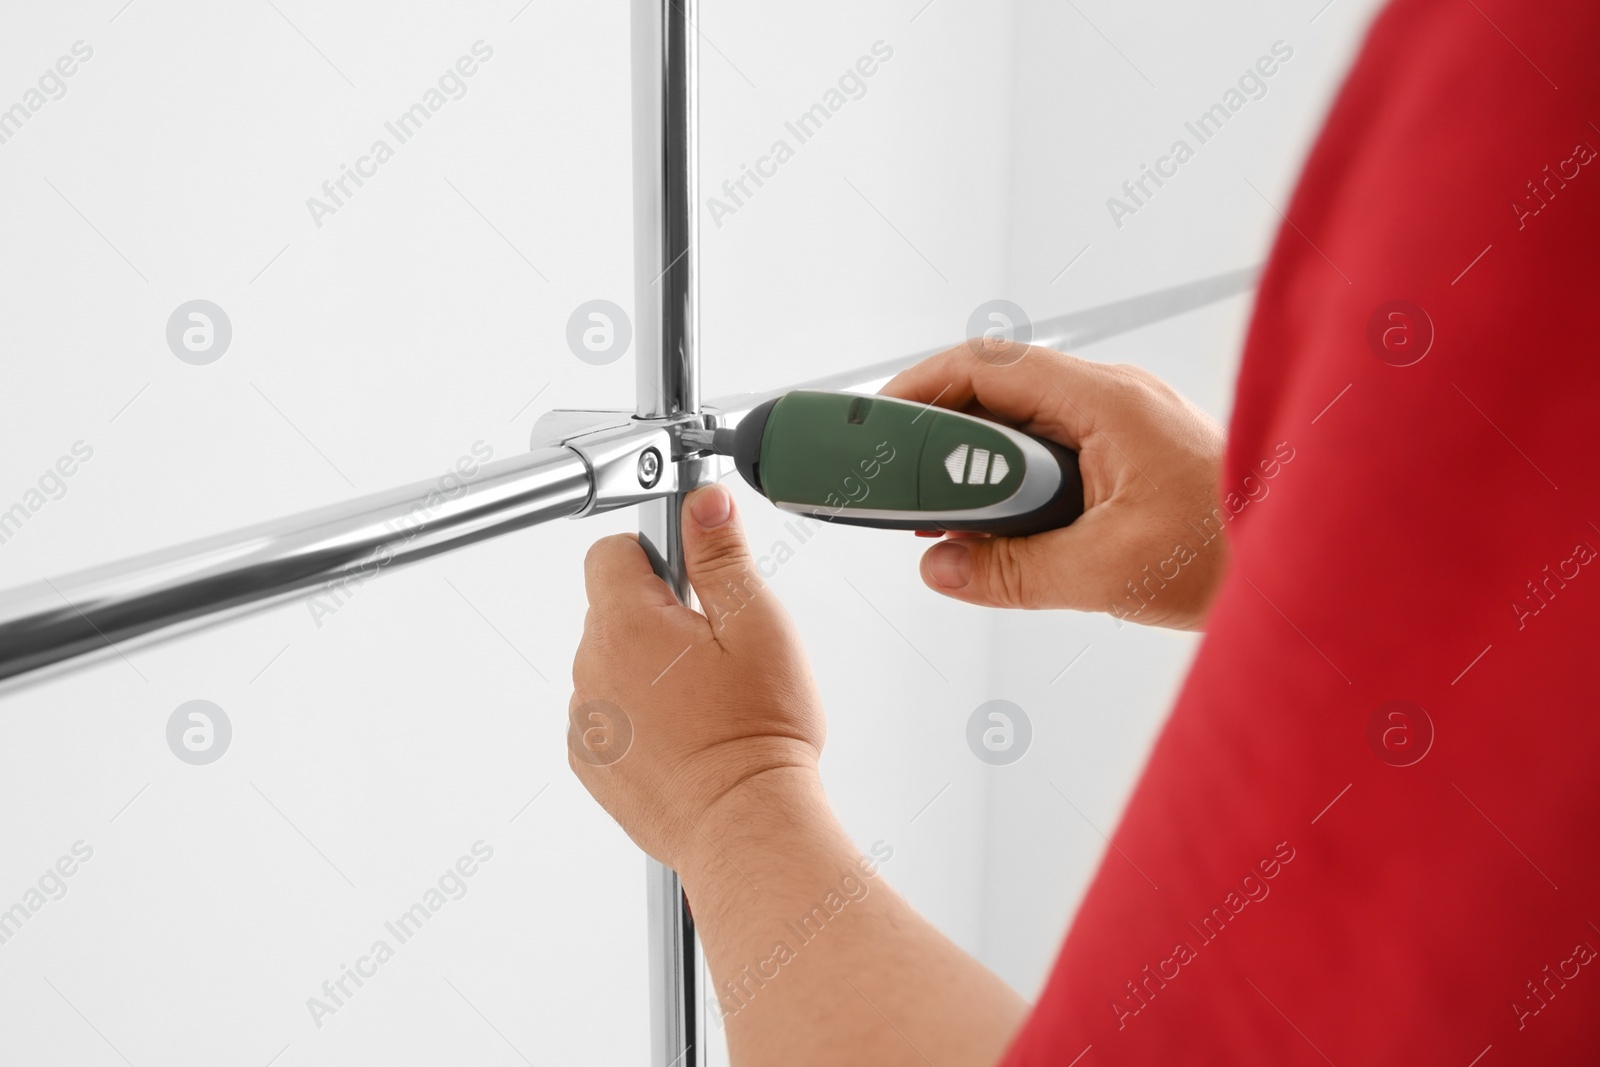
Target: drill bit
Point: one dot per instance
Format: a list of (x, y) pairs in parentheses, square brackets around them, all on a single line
[(698, 439)]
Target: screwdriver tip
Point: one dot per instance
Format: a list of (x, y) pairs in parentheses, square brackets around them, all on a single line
[(699, 439)]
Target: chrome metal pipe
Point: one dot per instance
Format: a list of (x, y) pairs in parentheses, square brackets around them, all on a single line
[(666, 256), (666, 309), (107, 609), (1073, 330), (60, 622)]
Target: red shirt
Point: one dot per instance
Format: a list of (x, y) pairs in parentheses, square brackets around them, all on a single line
[(1335, 886)]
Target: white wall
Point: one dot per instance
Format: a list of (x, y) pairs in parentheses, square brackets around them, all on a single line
[(372, 751)]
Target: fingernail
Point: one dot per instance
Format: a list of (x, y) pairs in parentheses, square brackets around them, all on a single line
[(950, 564), (711, 507)]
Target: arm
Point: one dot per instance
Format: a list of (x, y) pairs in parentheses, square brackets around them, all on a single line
[(700, 733), (816, 958)]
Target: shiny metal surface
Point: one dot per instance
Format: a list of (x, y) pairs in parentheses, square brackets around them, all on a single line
[(666, 257), (666, 310), (90, 612), (615, 457), (1063, 332), (81, 617)]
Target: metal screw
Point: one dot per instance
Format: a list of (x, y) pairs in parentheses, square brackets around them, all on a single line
[(649, 468)]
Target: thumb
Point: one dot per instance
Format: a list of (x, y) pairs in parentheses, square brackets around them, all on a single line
[(721, 567), (999, 572)]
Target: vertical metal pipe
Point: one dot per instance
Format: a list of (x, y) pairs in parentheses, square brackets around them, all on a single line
[(666, 311), (665, 189)]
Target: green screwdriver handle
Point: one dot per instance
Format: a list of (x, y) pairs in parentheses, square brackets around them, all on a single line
[(894, 464)]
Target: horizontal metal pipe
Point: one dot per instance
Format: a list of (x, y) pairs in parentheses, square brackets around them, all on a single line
[(90, 612), (1064, 332), (64, 621)]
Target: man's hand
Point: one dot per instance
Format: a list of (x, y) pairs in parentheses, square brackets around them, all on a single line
[(677, 714), (700, 735), (1151, 464)]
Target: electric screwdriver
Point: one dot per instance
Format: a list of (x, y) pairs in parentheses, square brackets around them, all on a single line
[(898, 465)]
